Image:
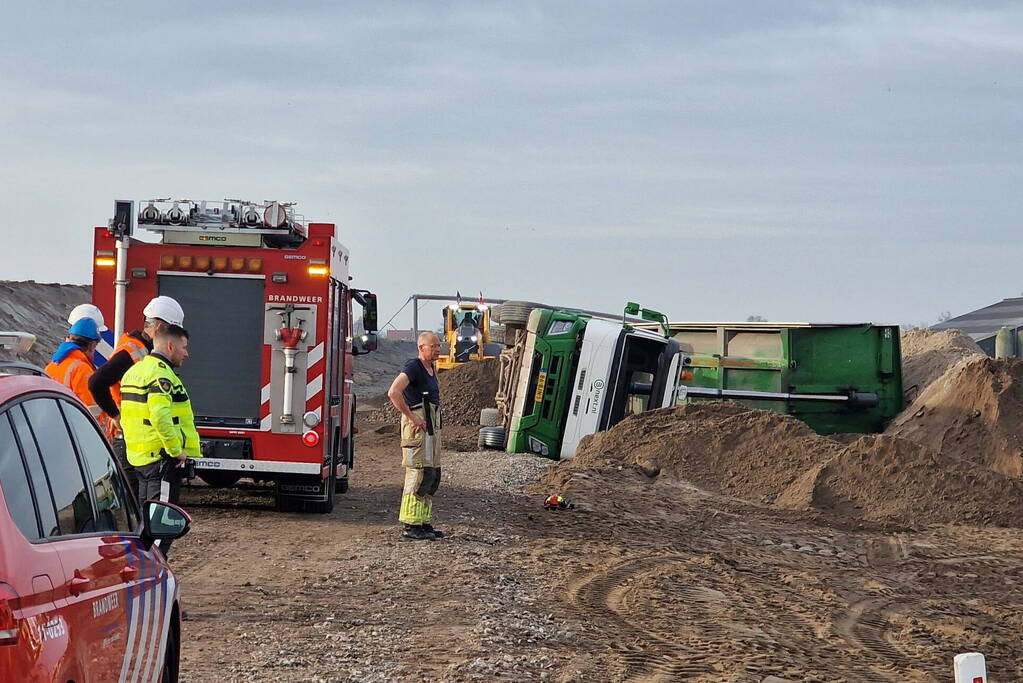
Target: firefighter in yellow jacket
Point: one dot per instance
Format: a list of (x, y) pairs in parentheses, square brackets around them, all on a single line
[(157, 420)]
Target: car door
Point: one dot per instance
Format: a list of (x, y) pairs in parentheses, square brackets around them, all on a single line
[(95, 561), (31, 574), (139, 620)]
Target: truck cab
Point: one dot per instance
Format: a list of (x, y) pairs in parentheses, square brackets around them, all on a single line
[(574, 375)]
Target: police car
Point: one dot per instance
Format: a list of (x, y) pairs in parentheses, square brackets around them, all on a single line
[(85, 595)]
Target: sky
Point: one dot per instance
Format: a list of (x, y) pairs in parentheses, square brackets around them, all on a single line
[(800, 161)]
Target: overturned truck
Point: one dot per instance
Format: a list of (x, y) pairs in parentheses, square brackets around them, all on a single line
[(566, 374)]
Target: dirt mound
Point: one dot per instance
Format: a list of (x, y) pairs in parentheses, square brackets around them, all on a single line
[(464, 391), (765, 457), (467, 389), (885, 479), (927, 354), (723, 447), (973, 412), (40, 309)]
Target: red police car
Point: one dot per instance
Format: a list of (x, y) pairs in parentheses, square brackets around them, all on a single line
[(85, 595)]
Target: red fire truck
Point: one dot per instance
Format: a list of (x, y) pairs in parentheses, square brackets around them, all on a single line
[(268, 306)]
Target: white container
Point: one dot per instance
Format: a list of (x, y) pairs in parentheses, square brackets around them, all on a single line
[(970, 668)]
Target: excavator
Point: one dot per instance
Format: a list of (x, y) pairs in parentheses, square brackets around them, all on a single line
[(466, 335)]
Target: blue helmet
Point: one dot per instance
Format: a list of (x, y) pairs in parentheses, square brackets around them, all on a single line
[(85, 328)]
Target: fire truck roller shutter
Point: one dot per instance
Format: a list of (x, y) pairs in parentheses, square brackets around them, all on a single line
[(224, 372)]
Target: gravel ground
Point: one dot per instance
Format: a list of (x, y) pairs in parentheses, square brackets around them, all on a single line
[(645, 580)]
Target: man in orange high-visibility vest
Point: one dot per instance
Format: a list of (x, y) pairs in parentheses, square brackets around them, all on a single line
[(131, 348), (71, 364)]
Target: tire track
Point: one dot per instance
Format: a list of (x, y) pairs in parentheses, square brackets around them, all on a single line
[(653, 657)]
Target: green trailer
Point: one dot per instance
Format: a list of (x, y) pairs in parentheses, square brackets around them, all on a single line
[(837, 378)]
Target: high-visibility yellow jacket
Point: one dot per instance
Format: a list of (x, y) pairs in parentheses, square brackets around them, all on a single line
[(156, 414)]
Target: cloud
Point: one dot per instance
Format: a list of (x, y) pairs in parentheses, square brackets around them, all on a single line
[(761, 156)]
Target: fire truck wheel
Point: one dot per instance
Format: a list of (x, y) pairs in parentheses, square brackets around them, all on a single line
[(341, 485), (287, 504), (327, 506), (219, 480)]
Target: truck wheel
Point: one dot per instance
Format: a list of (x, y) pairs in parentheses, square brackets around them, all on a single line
[(516, 313), (492, 437), (489, 417), (219, 480), (327, 506), (341, 486), (287, 504)]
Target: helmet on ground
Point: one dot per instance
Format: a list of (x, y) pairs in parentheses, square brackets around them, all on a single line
[(166, 309), (87, 311), (85, 328)]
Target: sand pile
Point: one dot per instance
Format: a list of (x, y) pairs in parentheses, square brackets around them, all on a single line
[(719, 446), (927, 354), (973, 412), (766, 457), (464, 391), (885, 479)]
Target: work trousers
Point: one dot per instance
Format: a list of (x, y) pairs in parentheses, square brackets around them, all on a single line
[(420, 455), (160, 480)]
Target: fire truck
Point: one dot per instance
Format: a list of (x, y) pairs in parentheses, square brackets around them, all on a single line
[(268, 304)]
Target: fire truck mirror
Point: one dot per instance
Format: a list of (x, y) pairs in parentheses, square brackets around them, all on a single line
[(364, 343), (124, 218), (369, 313)]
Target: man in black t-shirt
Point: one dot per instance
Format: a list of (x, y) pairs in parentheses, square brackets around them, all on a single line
[(414, 392)]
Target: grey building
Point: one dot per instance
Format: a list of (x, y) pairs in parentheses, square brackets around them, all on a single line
[(983, 324)]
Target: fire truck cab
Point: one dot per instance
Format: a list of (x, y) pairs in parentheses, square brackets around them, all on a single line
[(268, 306)]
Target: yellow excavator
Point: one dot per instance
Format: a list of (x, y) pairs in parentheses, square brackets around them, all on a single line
[(466, 335)]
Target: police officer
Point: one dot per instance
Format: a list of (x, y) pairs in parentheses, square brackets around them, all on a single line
[(414, 391), (131, 348), (157, 420)]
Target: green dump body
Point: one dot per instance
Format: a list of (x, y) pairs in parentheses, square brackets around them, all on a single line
[(801, 358)]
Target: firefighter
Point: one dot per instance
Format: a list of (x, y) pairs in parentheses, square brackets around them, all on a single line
[(157, 420), (71, 364), (131, 348), (414, 391)]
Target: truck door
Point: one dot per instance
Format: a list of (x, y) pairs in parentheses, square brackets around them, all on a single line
[(646, 366), (224, 371)]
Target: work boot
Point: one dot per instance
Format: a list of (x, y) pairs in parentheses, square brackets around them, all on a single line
[(437, 533), (416, 532)]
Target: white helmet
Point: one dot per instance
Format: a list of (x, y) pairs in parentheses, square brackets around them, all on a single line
[(87, 311), (166, 309)]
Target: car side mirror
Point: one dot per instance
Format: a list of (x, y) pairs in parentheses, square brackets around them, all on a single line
[(163, 521)]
